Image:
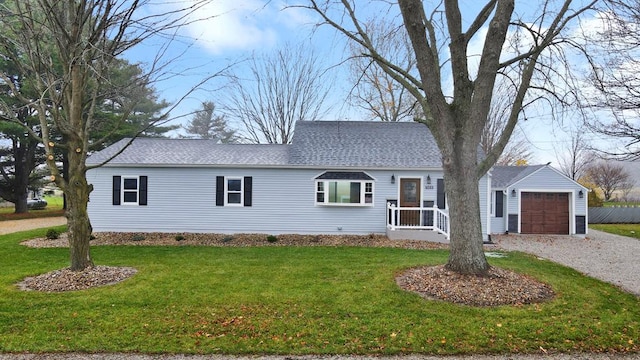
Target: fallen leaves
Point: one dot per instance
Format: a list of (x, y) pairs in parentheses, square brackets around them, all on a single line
[(67, 280), (499, 287)]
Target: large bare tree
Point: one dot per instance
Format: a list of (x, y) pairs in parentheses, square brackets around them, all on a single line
[(517, 151), (375, 91), (609, 177), (456, 93), (281, 88), (68, 48), (576, 156), (615, 76)]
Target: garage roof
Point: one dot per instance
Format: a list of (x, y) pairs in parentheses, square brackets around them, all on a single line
[(504, 176)]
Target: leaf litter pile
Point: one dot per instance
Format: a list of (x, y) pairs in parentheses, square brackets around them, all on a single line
[(498, 287)]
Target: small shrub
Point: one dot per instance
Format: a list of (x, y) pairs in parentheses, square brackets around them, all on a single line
[(53, 234), (179, 237), (272, 238), (138, 237), (227, 239)]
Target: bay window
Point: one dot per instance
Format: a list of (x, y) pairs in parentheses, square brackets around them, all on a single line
[(344, 189)]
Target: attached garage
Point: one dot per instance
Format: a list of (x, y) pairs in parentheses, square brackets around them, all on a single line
[(536, 199), (544, 213)]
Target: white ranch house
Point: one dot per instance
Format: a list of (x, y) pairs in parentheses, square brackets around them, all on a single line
[(337, 177)]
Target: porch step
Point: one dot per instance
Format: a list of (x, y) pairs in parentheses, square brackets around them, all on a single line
[(410, 234)]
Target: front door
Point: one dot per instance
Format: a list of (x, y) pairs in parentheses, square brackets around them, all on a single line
[(410, 197)]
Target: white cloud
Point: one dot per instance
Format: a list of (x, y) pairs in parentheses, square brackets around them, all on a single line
[(240, 25), (232, 25)]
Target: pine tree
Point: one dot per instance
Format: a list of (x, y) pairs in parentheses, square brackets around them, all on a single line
[(205, 124)]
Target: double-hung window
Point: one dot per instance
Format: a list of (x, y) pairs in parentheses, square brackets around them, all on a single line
[(344, 189), (129, 190), (233, 191)]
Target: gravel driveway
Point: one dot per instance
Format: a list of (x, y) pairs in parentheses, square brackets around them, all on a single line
[(611, 258), (11, 226)]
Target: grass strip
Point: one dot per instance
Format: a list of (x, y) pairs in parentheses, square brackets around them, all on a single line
[(630, 230)]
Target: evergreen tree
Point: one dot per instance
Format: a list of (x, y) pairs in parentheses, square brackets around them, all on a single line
[(205, 124), (21, 154)]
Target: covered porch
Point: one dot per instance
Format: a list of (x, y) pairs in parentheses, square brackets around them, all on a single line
[(417, 223)]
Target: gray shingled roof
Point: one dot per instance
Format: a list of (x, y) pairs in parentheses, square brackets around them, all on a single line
[(358, 144), (155, 151), (364, 144), (504, 176)]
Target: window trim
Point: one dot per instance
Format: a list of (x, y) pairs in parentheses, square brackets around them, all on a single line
[(123, 190), (222, 191), (118, 190), (326, 188), (227, 191), (492, 204)]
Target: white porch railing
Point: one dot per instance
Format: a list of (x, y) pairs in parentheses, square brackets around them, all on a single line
[(418, 218)]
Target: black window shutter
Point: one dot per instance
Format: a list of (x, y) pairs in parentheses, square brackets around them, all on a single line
[(248, 189), (219, 190), (143, 191), (440, 193), (117, 180), (499, 206)]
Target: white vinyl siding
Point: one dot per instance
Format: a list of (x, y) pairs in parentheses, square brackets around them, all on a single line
[(283, 202), (484, 192)]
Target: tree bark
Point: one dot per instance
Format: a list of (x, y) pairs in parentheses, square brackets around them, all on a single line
[(24, 153), (79, 226), (466, 243), (21, 180)]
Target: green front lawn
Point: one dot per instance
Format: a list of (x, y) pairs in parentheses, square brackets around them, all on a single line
[(620, 203), (54, 208), (630, 230), (295, 300)]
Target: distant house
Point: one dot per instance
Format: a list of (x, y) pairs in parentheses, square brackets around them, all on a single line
[(536, 200), (337, 177)]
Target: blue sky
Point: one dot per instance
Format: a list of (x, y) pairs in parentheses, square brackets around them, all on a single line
[(240, 29), (237, 31)]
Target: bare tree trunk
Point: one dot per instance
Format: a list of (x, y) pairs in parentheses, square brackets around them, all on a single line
[(77, 190), (466, 244)]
